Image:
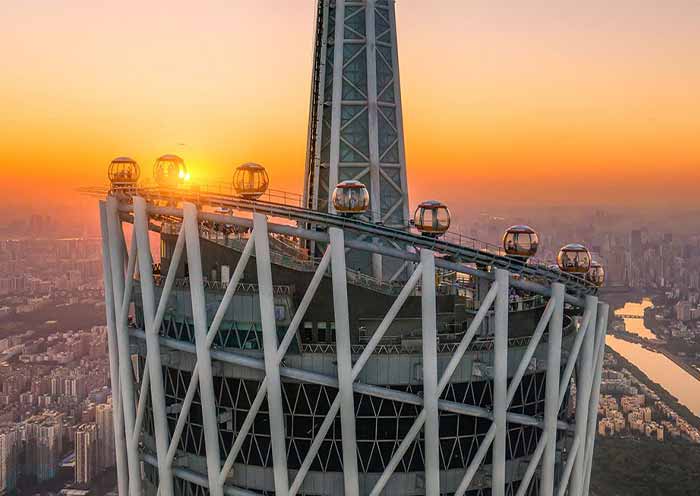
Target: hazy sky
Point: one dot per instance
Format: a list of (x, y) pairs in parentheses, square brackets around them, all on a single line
[(521, 100)]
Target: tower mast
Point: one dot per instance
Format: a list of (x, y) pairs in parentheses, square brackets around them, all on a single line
[(355, 119)]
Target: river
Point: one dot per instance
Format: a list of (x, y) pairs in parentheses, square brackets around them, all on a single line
[(634, 322), (656, 366)]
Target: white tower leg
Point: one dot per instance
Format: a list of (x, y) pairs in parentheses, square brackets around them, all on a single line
[(601, 328), (583, 397), (155, 369), (206, 381), (270, 348), (500, 383), (430, 381), (551, 406), (126, 375), (343, 352), (117, 412)]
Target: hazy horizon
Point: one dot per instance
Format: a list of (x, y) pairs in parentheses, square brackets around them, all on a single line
[(527, 103)]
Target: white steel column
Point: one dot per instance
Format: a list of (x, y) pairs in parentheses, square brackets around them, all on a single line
[(155, 370), (270, 348), (601, 331), (199, 316), (583, 396), (126, 375), (500, 383), (430, 385), (551, 408), (117, 412), (344, 358)]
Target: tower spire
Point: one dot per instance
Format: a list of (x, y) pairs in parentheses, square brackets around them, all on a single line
[(356, 121)]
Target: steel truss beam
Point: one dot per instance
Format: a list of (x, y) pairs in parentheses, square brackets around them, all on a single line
[(589, 343)]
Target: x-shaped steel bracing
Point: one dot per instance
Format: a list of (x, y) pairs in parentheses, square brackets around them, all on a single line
[(589, 343)]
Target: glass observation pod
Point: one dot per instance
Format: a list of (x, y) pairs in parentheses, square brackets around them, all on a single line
[(596, 274), (574, 259), (123, 173), (351, 198), (432, 218), (170, 171), (521, 242), (250, 181)]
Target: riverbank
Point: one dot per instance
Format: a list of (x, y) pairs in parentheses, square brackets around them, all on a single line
[(680, 362), (658, 347), (663, 394), (663, 346)]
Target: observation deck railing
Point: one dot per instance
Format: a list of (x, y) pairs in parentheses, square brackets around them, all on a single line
[(286, 253), (464, 248), (462, 240), (517, 304), (286, 198), (473, 243), (213, 189), (184, 282), (397, 347), (286, 205)]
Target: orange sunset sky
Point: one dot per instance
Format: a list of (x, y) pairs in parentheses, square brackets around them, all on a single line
[(540, 102)]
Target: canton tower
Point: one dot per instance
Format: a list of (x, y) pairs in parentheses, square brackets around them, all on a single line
[(325, 344)]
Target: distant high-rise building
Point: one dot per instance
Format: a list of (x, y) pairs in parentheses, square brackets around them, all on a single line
[(633, 274), (636, 244), (9, 464), (105, 435), (43, 435), (617, 265), (683, 311), (86, 453), (75, 387)]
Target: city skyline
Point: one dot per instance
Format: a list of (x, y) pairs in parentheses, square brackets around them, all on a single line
[(529, 96)]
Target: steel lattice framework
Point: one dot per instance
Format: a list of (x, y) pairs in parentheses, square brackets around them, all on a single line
[(356, 121), (147, 388)]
